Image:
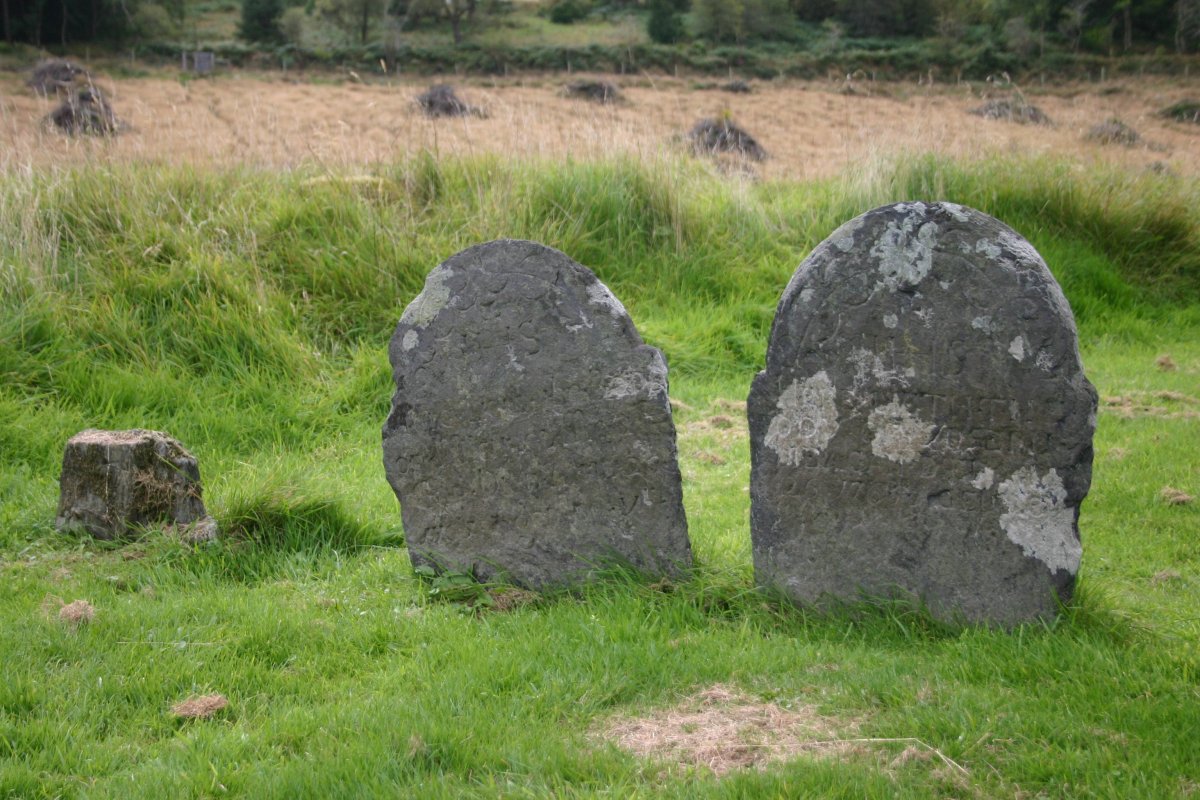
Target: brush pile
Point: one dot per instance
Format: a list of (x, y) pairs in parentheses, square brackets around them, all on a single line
[(721, 135), (56, 75), (1113, 131), (596, 91), (441, 101), (1183, 111), (85, 111), (1014, 109)]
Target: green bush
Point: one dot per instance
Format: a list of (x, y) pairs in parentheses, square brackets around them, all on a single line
[(260, 21), (567, 12), (665, 24)]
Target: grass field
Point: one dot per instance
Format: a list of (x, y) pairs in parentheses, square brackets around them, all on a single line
[(246, 312)]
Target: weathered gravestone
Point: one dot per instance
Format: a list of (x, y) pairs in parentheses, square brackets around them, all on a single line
[(923, 427), (115, 482), (530, 437)]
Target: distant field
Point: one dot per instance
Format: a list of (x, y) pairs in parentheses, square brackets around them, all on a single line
[(811, 130)]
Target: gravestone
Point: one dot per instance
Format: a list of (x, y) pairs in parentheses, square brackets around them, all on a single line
[(530, 437), (115, 482), (923, 427)]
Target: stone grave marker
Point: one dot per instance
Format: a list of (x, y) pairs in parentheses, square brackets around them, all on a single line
[(923, 427), (530, 437)]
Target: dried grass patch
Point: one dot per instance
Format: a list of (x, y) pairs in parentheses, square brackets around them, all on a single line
[(1175, 497), (77, 613), (721, 729), (510, 598), (200, 707), (1164, 404)]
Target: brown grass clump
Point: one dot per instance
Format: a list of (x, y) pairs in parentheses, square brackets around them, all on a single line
[(1165, 576), (596, 91), (721, 135), (1166, 363), (1175, 497), (200, 707), (85, 111), (1012, 110), (441, 101), (55, 75), (77, 613), (510, 598), (721, 729), (1113, 131)]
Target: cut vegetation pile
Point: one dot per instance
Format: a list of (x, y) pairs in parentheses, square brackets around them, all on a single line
[(721, 135), (1012, 110), (1113, 131), (85, 111), (721, 729), (596, 91), (56, 75), (441, 101), (1183, 111)]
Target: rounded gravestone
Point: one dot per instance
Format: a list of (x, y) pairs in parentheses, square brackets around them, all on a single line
[(530, 437), (923, 427)]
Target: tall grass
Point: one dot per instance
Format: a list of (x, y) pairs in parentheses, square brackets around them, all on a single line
[(247, 313)]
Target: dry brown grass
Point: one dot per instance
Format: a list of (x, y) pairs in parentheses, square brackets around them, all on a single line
[(1175, 497), (77, 613), (810, 129), (720, 729), (201, 707)]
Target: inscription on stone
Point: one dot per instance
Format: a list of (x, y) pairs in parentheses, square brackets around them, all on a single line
[(923, 427), (530, 437)]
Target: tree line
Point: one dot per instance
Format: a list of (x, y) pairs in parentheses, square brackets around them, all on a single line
[(1026, 27)]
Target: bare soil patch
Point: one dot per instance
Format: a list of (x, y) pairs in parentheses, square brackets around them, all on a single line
[(810, 129)]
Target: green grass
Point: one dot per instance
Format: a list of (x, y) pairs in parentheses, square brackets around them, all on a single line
[(247, 314)]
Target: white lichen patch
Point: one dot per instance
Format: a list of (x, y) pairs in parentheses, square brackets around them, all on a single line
[(806, 295), (1016, 348), (984, 479), (890, 321), (955, 210), (432, 299), (650, 382), (988, 248), (983, 323), (843, 237), (409, 341), (870, 370), (1045, 361), (900, 435), (905, 252), (1024, 252), (598, 294), (1038, 520), (513, 363), (807, 419)]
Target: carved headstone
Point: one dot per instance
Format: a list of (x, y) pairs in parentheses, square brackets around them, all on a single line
[(114, 482), (530, 437), (923, 427)]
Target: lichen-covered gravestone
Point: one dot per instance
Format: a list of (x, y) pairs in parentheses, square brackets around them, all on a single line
[(115, 482), (530, 437), (923, 427)]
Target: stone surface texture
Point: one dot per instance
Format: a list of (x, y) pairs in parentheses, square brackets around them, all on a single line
[(115, 482), (923, 427), (530, 437)]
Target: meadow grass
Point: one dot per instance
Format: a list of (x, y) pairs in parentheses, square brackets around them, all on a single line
[(247, 313)]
